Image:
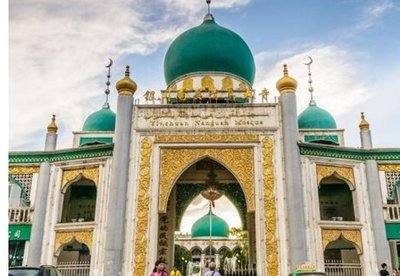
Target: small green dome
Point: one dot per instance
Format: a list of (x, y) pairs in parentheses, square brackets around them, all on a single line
[(102, 120), (209, 48), (314, 117), (201, 228)]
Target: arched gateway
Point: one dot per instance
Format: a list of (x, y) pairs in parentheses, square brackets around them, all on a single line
[(172, 174)]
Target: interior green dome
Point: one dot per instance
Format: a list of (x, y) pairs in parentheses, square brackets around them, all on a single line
[(201, 228), (314, 117), (209, 48), (101, 120)]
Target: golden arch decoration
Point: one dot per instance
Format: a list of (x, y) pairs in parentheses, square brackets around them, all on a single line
[(74, 174), (351, 235), (344, 173), (142, 207), (389, 167), (23, 169), (271, 243), (174, 161), (66, 237)]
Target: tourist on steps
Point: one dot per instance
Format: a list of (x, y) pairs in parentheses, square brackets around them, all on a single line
[(159, 269), (175, 272), (213, 271)]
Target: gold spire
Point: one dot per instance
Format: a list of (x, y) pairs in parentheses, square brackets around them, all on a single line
[(52, 127), (126, 86), (286, 83), (364, 125)]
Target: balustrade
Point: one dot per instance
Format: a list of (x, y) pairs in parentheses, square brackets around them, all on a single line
[(20, 215)]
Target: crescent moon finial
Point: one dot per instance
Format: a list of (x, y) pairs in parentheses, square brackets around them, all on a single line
[(310, 61), (110, 64)]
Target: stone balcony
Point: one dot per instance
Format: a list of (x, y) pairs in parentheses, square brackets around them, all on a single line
[(391, 212), (20, 215)]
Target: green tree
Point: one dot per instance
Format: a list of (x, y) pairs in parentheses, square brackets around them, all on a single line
[(181, 257)]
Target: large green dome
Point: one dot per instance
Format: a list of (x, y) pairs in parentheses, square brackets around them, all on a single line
[(201, 228), (314, 117), (209, 48), (102, 120)]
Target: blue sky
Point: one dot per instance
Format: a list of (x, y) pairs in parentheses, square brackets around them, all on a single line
[(62, 49)]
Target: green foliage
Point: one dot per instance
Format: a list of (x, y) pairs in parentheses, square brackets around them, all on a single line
[(181, 258), (242, 251)]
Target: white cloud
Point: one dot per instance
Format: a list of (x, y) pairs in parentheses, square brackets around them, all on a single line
[(371, 15), (58, 50), (336, 80)]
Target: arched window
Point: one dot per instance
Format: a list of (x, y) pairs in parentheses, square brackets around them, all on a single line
[(196, 252), (79, 202), (16, 194), (335, 200), (74, 259), (342, 257)]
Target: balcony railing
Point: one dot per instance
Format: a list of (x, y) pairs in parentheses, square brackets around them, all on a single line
[(20, 215), (74, 268), (392, 212), (337, 268)]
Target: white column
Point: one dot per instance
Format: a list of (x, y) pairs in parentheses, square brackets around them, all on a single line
[(39, 216), (297, 237), (375, 198), (115, 229)]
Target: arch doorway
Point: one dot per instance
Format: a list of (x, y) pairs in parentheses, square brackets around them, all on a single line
[(336, 199), (73, 259), (211, 231), (341, 257), (79, 202)]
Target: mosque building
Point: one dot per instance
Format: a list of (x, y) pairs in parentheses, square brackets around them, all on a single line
[(112, 202)]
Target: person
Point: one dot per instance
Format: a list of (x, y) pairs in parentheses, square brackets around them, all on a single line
[(175, 272), (396, 272), (383, 271), (159, 269), (213, 271)]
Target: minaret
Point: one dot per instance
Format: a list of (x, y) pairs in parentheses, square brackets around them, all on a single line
[(375, 200), (365, 133), (114, 233), (42, 190), (51, 135), (297, 238)]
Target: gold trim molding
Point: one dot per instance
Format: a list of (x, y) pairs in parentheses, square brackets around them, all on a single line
[(72, 174), (23, 169), (271, 245), (142, 208), (65, 237), (207, 138), (346, 173), (239, 161), (352, 235), (389, 167)]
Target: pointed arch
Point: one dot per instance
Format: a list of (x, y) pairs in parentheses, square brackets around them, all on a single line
[(341, 172), (71, 175), (64, 238), (238, 161)]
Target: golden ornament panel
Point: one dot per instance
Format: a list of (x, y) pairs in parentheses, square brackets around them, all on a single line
[(142, 208), (65, 237), (389, 167), (344, 172), (207, 138), (271, 243), (174, 161), (352, 235), (23, 169), (73, 174)]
